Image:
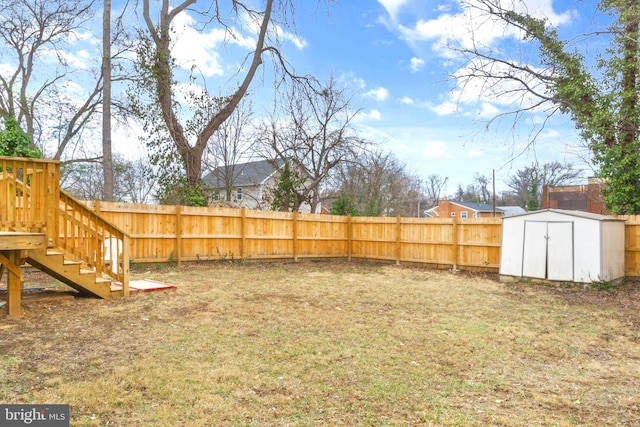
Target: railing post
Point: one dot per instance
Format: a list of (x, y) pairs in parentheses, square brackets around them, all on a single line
[(125, 265), (52, 202)]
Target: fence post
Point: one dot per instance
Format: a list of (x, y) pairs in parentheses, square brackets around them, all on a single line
[(243, 233), (179, 235), (349, 237), (454, 236), (295, 236), (398, 240)]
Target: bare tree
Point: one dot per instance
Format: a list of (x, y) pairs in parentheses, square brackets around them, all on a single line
[(107, 156), (313, 130), (481, 184), (134, 183), (376, 184), (229, 145), (28, 28), (34, 38), (527, 183), (434, 188), (601, 96), (158, 64)]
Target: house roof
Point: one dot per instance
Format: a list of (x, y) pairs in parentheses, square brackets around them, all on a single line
[(512, 210), (478, 207), (245, 174)]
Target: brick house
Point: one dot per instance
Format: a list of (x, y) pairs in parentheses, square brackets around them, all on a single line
[(585, 198), (450, 209)]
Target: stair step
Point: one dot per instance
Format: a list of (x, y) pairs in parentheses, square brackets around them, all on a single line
[(84, 279)]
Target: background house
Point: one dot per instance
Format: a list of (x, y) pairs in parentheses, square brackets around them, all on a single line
[(584, 198), (252, 184), (449, 208)]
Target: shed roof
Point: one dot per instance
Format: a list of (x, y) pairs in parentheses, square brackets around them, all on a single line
[(578, 214)]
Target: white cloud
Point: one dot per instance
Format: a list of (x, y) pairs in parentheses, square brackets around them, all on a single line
[(379, 94), (298, 42), (70, 58), (373, 115), (445, 109), (350, 78), (406, 100), (416, 64), (468, 26), (6, 69), (488, 111), (435, 149), (201, 49), (500, 91), (393, 6), (73, 89), (475, 153), (197, 49)]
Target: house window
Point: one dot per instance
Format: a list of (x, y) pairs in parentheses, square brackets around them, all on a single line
[(239, 194), (453, 214), (463, 214)]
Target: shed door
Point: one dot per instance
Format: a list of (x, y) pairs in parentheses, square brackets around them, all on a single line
[(548, 250), (560, 251), (534, 256)]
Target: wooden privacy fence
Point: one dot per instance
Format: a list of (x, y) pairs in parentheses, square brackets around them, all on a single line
[(632, 245), (179, 233)]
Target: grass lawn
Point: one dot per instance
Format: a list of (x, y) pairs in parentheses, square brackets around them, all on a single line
[(330, 343)]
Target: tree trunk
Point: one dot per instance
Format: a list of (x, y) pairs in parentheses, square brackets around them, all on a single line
[(107, 156)]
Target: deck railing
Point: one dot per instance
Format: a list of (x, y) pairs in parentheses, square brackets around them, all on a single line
[(28, 194), (31, 200), (91, 239)]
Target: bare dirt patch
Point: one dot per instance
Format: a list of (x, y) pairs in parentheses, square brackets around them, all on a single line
[(330, 343)]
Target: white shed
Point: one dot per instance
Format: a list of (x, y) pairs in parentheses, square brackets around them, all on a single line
[(561, 245)]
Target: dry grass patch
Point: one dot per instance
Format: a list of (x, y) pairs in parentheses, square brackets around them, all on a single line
[(331, 344)]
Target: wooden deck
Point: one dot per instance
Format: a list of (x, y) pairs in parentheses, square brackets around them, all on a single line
[(46, 227), (13, 240), (13, 253)]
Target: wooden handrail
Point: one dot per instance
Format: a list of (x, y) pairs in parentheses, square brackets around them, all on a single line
[(23, 193), (31, 200), (92, 239)]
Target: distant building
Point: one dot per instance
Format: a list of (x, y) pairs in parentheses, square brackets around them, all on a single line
[(451, 209), (252, 184), (585, 198)]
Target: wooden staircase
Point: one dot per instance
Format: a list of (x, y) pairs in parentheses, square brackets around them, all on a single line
[(72, 273), (52, 231)]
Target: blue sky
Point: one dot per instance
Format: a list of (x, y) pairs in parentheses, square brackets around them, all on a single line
[(394, 48), (392, 55)]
